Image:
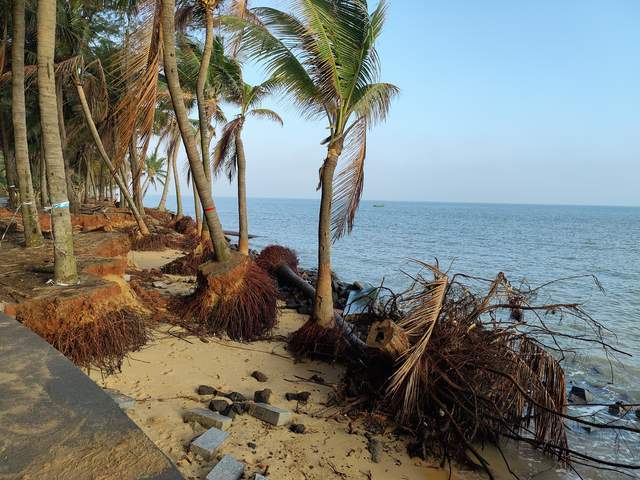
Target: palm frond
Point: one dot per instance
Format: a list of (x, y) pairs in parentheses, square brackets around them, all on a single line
[(348, 184), (267, 114), (373, 101), (225, 154)]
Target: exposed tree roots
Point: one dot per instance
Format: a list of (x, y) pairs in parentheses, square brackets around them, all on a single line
[(237, 298), (312, 340), (102, 342), (185, 225), (271, 258)]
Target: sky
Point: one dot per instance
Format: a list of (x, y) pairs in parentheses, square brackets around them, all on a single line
[(501, 102)]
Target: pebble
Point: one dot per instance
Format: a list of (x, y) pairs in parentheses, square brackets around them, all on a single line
[(299, 396), (252, 445), (259, 376), (262, 396), (297, 428), (206, 390)]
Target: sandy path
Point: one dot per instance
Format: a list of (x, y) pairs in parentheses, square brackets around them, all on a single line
[(163, 378)]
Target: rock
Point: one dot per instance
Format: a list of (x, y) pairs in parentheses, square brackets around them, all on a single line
[(317, 379), (262, 396), (297, 428), (124, 402), (206, 390), (580, 396), (357, 286), (300, 396), (208, 443), (616, 408), (375, 449), (270, 414), (236, 397), (230, 412), (240, 407), (228, 468), (218, 405), (259, 376), (252, 445)]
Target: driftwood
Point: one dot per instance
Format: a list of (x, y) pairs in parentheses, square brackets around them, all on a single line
[(388, 337)]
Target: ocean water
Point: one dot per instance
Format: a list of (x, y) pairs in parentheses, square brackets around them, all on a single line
[(533, 244)]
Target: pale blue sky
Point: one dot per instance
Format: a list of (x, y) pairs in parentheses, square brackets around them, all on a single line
[(502, 101)]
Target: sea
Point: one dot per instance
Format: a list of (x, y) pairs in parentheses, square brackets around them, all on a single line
[(531, 245)]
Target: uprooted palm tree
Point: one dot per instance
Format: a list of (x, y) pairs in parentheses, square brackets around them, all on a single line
[(324, 55), (233, 294), (229, 153)]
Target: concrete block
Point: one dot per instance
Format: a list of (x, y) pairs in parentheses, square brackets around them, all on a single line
[(257, 476), (207, 418), (228, 468), (124, 402), (270, 414), (208, 443)]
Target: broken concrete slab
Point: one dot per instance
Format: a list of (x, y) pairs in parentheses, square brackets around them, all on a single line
[(257, 476), (208, 443), (228, 468), (124, 402), (207, 418), (270, 414)]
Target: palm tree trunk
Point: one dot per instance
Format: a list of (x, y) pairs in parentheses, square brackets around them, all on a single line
[(44, 188), (162, 206), (197, 208), (323, 304), (243, 220), (32, 233), (176, 178), (65, 270), (197, 169), (136, 170), (68, 172), (105, 158), (10, 166)]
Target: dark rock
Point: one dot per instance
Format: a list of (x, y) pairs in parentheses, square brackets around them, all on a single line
[(259, 376), (416, 450), (297, 428), (317, 379), (262, 396), (638, 414), (616, 408), (252, 445), (206, 390), (236, 397), (375, 449), (357, 286), (240, 407), (218, 405), (305, 310), (580, 396), (230, 412), (300, 396)]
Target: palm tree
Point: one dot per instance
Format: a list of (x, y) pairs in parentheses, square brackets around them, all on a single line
[(154, 169), (229, 153), (32, 233), (221, 249), (65, 270), (324, 56)]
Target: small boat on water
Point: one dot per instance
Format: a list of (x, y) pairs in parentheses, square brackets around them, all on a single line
[(379, 205)]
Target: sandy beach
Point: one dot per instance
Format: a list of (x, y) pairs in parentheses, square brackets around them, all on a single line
[(164, 375)]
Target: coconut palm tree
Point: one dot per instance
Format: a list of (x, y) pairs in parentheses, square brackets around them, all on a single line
[(65, 270), (154, 169), (32, 233), (221, 249), (324, 55), (229, 153)]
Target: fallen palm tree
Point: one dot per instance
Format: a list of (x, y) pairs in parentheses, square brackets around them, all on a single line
[(462, 361)]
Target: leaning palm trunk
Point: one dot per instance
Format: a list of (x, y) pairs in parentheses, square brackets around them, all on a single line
[(32, 233), (162, 206), (243, 221), (10, 167), (65, 270), (323, 303), (197, 169), (105, 158), (176, 176), (44, 189)]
